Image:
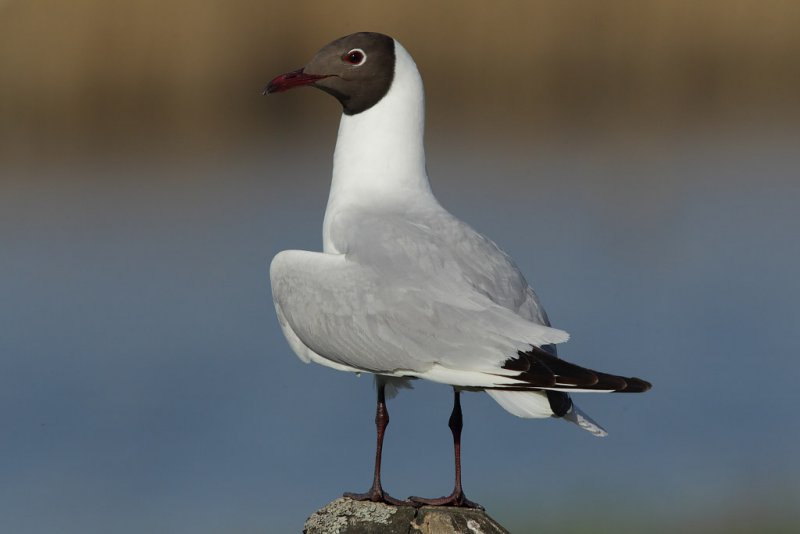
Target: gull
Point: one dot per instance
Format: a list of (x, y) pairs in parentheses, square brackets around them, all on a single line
[(403, 289)]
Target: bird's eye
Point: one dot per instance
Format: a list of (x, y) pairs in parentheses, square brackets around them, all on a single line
[(355, 57)]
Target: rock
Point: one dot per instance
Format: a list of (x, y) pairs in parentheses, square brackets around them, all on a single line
[(346, 516)]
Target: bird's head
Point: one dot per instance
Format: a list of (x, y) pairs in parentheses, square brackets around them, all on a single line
[(357, 70)]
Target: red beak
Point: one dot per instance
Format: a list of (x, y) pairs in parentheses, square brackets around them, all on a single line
[(290, 80)]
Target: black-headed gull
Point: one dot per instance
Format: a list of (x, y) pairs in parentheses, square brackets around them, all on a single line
[(403, 289)]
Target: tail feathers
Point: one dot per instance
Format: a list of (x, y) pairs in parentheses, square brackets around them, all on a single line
[(577, 416), (537, 404), (525, 404)]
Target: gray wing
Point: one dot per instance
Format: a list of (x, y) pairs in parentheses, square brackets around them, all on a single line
[(373, 315), (434, 245)]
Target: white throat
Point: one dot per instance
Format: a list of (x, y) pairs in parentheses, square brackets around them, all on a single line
[(380, 154)]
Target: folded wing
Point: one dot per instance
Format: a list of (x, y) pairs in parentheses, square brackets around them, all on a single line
[(351, 314)]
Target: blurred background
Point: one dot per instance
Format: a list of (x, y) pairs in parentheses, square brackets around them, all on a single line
[(638, 159)]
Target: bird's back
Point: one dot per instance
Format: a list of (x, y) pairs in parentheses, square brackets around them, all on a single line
[(429, 245)]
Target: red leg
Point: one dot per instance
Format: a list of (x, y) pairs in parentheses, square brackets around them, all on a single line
[(457, 498), (376, 493)]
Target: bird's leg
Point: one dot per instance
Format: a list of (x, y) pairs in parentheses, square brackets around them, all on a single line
[(376, 493), (457, 498)]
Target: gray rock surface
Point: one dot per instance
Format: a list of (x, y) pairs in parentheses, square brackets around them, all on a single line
[(346, 516)]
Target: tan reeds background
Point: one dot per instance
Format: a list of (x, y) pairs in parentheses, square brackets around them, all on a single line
[(88, 71)]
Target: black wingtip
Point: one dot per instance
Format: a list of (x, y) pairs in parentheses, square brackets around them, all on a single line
[(565, 373), (636, 385), (540, 368)]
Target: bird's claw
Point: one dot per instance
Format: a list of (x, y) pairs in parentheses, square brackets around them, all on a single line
[(457, 499), (377, 495)]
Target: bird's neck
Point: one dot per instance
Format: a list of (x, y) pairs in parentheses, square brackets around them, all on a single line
[(380, 155)]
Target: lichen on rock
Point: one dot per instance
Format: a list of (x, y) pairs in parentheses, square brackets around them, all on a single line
[(346, 516)]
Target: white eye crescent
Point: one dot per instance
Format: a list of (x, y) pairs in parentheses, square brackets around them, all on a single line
[(355, 57)]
